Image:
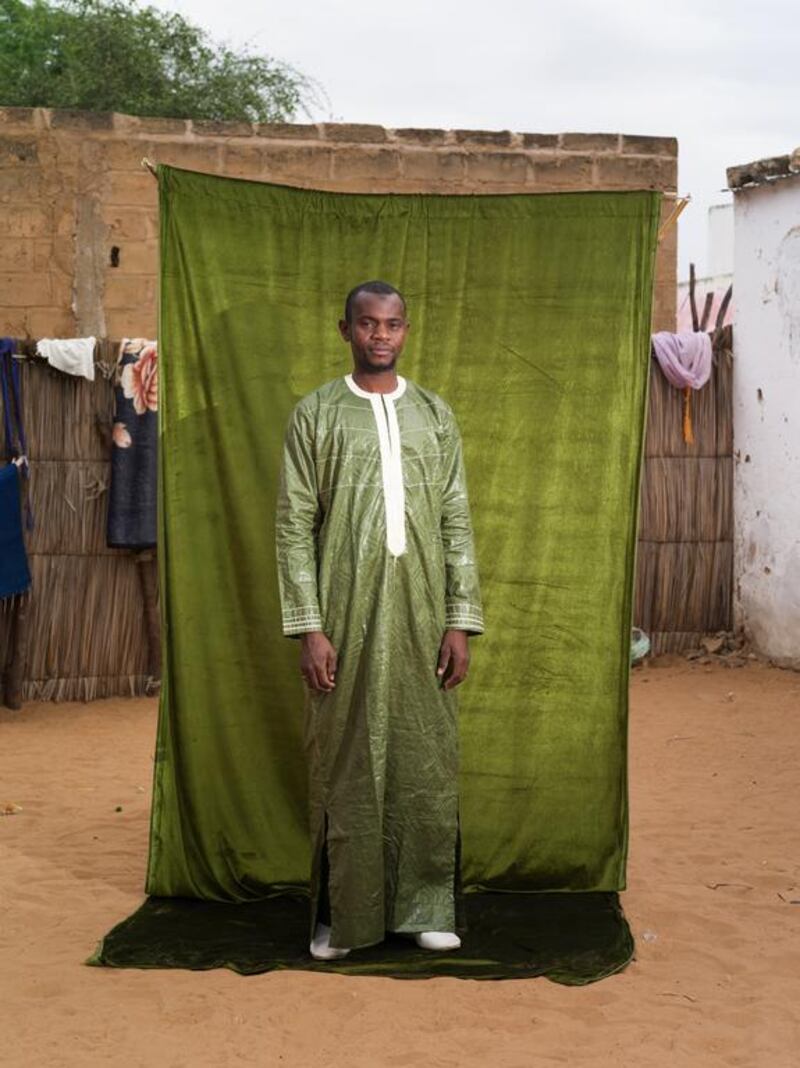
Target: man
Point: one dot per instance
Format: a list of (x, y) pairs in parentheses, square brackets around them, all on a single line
[(377, 574)]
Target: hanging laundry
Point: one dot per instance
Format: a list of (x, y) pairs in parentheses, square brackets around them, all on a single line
[(73, 356), (15, 447), (15, 576), (134, 451), (685, 359)]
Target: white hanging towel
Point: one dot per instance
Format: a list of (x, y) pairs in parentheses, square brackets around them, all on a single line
[(74, 356)]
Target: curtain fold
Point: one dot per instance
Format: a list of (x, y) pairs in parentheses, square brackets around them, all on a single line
[(531, 317)]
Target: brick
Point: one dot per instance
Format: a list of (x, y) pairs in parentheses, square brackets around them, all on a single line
[(553, 173), (23, 220), (59, 154), (664, 307), (590, 142), (60, 289), (18, 117), (136, 124), (17, 183), (82, 120), (64, 220), (140, 322), (483, 137), (421, 137), (17, 255), (288, 131), (307, 163), (498, 167), (636, 172), (361, 132), (246, 161), (354, 163), (125, 155), (131, 188), (135, 257), (192, 155), (54, 252), (136, 224), (26, 290), (534, 140), (13, 151), (37, 322), (209, 128), (434, 166), (649, 146), (131, 292)]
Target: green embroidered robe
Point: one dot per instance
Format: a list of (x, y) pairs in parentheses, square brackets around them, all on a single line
[(375, 548)]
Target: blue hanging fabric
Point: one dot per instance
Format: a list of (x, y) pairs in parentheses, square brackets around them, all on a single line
[(15, 576), (10, 385)]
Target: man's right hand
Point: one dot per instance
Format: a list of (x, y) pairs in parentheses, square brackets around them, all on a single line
[(318, 661)]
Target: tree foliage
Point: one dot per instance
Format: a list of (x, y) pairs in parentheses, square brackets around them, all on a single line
[(113, 55)]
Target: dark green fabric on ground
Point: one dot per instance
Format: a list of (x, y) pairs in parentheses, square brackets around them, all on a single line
[(570, 938), (530, 316)]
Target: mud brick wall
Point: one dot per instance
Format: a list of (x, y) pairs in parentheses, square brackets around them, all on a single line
[(72, 189), (79, 228)]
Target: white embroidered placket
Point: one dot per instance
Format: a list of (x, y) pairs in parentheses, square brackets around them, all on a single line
[(385, 416)]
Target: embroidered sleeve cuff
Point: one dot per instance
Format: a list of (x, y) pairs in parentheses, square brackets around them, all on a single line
[(301, 620), (464, 616)]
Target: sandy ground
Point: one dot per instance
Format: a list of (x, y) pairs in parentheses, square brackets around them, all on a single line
[(713, 900)]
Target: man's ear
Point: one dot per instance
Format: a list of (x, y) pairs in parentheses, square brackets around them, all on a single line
[(344, 329)]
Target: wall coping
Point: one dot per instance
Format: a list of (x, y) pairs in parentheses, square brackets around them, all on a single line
[(764, 171), (118, 125)]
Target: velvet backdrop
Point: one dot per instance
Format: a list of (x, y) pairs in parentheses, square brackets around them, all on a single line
[(531, 316)]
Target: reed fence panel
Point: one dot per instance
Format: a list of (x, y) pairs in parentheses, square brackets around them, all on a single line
[(85, 620)]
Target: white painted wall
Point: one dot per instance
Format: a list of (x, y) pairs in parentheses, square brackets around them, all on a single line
[(767, 423), (720, 240)]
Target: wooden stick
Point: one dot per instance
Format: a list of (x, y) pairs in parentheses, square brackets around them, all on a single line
[(672, 218), (706, 311), (692, 301), (149, 166), (723, 307)]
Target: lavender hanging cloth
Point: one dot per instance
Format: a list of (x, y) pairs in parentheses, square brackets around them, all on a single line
[(684, 358), (134, 450)]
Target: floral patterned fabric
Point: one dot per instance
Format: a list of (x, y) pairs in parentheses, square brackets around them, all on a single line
[(134, 452)]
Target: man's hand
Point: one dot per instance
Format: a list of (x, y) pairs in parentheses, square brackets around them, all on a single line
[(453, 658), (318, 661)]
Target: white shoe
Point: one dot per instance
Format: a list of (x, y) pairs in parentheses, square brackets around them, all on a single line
[(441, 940), (321, 948)]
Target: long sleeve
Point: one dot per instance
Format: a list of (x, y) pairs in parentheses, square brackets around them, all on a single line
[(463, 608), (297, 521)]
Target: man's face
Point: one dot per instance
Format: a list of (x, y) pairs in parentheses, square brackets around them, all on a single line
[(377, 332)]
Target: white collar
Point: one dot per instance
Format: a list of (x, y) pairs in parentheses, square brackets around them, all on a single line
[(396, 393)]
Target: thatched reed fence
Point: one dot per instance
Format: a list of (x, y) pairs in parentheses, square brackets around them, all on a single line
[(684, 566), (82, 631)]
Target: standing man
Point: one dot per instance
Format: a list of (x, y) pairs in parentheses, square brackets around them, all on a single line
[(377, 575)]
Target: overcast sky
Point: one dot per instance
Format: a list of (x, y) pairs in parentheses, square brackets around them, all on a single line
[(722, 77)]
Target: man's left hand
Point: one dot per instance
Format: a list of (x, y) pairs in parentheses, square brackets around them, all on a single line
[(453, 658)]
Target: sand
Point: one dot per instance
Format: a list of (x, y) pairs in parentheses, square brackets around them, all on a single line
[(713, 899)]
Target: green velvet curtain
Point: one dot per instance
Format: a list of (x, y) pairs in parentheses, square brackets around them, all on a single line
[(531, 316)]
